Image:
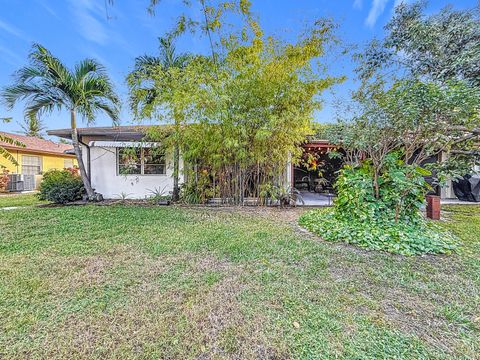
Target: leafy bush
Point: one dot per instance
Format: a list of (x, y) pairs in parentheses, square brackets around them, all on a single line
[(386, 217), (197, 190), (3, 179), (61, 186), (405, 238), (160, 195), (283, 196), (400, 194)]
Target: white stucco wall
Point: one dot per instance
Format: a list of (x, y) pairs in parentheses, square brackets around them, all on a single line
[(107, 182)]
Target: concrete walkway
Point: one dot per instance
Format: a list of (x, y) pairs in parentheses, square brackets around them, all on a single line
[(457, 202), (315, 199)]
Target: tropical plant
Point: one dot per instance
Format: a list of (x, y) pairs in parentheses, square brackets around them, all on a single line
[(46, 84), (248, 104), (189, 193), (152, 83), (424, 77), (280, 195), (289, 196), (438, 47), (159, 195), (33, 126), (4, 138), (122, 196), (389, 220), (61, 187), (267, 194)]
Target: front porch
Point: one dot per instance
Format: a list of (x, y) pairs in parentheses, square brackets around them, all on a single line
[(315, 199), (316, 174)]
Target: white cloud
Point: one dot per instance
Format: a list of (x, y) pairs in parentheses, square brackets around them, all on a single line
[(357, 4), (12, 30), (47, 8), (378, 6), (88, 14), (9, 56)]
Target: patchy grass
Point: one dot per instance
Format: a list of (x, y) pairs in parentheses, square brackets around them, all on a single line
[(157, 282), (10, 200)]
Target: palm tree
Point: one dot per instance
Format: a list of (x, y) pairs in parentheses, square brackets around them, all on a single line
[(47, 85), (144, 70), (32, 126)]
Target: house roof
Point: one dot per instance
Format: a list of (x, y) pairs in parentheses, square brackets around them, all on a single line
[(137, 132), (111, 132), (35, 144)]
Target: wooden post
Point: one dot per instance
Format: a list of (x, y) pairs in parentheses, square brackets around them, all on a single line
[(433, 207)]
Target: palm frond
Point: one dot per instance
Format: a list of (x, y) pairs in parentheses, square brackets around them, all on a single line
[(20, 92), (98, 95), (107, 107), (88, 68), (42, 104), (145, 65), (32, 126), (6, 155), (46, 84), (169, 56), (10, 141), (52, 67), (143, 92)]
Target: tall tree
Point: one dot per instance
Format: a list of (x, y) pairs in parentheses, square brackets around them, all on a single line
[(47, 85), (440, 47), (33, 126), (145, 94), (428, 67)]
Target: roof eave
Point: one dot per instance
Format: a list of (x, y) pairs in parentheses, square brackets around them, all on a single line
[(62, 133), (37, 151), (112, 133)]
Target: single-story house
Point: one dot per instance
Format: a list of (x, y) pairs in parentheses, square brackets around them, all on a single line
[(113, 173), (36, 157)]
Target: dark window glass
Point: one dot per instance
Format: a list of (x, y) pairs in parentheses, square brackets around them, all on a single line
[(129, 161), (137, 161), (153, 161)]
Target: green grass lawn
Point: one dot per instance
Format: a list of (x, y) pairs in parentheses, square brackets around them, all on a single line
[(11, 200), (172, 283)]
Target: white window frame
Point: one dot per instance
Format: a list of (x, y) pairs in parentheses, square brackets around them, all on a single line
[(142, 164), (40, 164)]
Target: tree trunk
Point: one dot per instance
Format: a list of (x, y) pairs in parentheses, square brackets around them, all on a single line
[(375, 184), (78, 154), (176, 170)]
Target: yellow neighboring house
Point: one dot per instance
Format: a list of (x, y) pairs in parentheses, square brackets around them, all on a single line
[(37, 157)]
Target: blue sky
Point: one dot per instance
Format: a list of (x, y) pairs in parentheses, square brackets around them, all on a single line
[(75, 29)]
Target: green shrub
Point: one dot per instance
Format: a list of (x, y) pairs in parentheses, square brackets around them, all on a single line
[(401, 191), (386, 218), (405, 238), (61, 186)]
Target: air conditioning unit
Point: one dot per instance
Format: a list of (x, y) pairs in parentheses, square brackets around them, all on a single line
[(15, 182), (28, 182)]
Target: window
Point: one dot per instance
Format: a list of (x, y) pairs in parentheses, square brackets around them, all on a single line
[(141, 161), (153, 161), (31, 165), (68, 163)]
